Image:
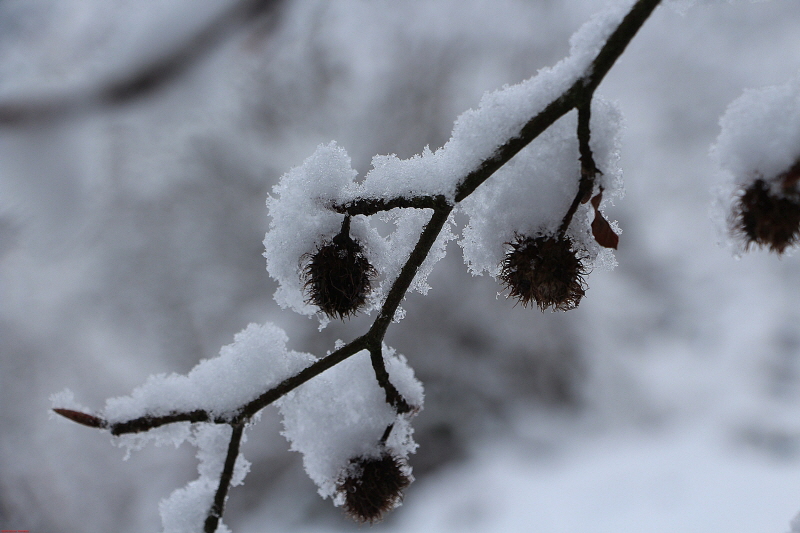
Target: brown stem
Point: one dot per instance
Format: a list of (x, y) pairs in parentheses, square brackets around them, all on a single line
[(588, 168), (617, 42), (386, 433), (84, 419), (393, 396), (148, 422), (291, 383), (409, 270), (218, 507), (371, 206)]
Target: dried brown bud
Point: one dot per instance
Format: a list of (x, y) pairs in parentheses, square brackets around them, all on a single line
[(338, 276), (82, 418), (373, 486), (544, 270), (766, 218)]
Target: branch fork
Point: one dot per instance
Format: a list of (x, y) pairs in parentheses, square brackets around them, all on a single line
[(578, 96)]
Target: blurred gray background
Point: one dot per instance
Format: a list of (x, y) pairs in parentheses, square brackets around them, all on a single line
[(138, 143)]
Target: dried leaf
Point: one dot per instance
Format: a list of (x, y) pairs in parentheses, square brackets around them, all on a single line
[(602, 232), (791, 177), (597, 199)]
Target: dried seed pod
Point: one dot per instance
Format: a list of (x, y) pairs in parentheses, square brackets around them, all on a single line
[(766, 218), (544, 270), (338, 277), (373, 486)]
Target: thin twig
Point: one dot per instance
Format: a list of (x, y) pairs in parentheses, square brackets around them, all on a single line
[(218, 507), (371, 206), (85, 419), (393, 396), (617, 42), (148, 422), (409, 271), (386, 433), (588, 168)]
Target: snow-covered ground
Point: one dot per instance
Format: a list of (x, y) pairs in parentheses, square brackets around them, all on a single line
[(683, 479)]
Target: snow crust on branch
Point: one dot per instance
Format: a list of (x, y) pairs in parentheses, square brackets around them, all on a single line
[(303, 220), (342, 415), (478, 133), (256, 361), (301, 204)]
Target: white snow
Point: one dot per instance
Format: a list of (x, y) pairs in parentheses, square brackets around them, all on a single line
[(302, 221), (342, 414), (760, 133), (478, 133), (256, 362)]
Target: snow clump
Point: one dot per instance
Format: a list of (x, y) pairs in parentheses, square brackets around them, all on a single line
[(342, 415)]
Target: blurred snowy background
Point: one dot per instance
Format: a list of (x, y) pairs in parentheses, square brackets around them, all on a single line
[(139, 140)]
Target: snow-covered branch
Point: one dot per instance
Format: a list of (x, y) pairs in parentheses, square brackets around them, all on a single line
[(537, 226)]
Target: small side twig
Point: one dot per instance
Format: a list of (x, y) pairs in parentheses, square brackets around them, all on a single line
[(393, 396), (386, 433), (372, 206), (147, 422), (588, 168), (291, 383), (218, 507)]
